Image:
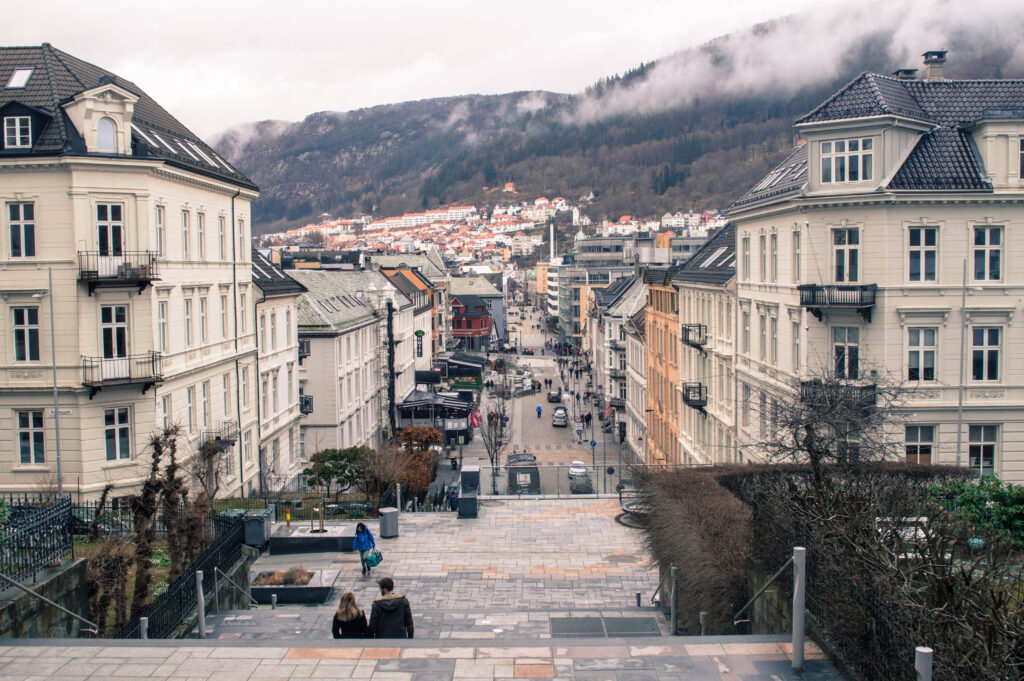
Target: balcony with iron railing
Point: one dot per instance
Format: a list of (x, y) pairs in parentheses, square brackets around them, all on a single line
[(819, 297), (695, 335), (616, 345), (617, 402), (619, 374), (695, 395), (220, 438), (305, 404), (835, 394), (127, 268), (303, 348), (102, 372)]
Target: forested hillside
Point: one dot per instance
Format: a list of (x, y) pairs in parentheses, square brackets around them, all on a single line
[(692, 130)]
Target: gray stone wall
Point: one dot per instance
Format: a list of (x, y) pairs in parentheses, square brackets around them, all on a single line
[(24, 616)]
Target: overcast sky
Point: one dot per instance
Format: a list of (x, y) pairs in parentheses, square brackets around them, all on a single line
[(216, 63)]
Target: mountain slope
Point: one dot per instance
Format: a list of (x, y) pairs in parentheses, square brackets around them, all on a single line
[(693, 129)]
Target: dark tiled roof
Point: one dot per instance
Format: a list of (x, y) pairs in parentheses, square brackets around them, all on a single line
[(635, 323), (609, 294), (475, 306), (787, 177), (58, 76), (714, 263), (271, 279), (944, 158), (869, 94)]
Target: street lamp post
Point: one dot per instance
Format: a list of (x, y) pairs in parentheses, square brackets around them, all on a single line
[(53, 362)]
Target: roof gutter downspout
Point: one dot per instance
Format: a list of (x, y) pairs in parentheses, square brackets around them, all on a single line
[(238, 382)]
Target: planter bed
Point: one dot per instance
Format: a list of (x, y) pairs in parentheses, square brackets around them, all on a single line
[(298, 539), (313, 593)]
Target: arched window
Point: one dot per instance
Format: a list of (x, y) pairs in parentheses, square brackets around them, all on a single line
[(106, 136)]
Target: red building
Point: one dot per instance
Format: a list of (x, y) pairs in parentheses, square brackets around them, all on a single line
[(471, 322)]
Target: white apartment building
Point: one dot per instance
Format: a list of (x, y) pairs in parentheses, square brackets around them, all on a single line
[(609, 310), (145, 231), (707, 294), (636, 386), (885, 243), (277, 373)]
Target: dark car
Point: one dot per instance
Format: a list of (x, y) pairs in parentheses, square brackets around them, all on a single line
[(528, 351), (580, 483), (554, 396)]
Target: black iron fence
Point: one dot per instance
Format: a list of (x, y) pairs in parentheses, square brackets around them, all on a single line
[(37, 535), (171, 608)]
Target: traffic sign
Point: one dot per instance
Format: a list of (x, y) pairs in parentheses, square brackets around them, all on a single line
[(611, 470), (593, 443)]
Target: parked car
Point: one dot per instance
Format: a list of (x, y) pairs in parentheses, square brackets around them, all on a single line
[(580, 483), (577, 468), (528, 351), (560, 418), (519, 457), (554, 396)]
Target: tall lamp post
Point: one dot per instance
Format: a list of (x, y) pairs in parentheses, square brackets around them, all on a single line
[(53, 362)]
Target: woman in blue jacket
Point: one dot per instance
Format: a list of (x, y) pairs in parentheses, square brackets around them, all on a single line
[(363, 543)]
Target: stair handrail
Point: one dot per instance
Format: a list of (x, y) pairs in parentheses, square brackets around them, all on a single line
[(93, 628), (217, 574), (736, 618)]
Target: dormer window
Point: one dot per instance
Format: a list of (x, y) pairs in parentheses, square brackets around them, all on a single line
[(17, 132), (847, 160), (19, 78), (106, 136)]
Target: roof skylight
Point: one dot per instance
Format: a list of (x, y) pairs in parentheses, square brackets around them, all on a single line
[(714, 256), (20, 78)]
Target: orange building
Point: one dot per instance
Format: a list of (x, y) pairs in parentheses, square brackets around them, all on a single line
[(661, 319)]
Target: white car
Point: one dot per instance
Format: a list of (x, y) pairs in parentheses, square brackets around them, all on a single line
[(577, 468)]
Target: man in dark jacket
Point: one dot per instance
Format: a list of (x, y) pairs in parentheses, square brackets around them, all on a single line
[(391, 616)]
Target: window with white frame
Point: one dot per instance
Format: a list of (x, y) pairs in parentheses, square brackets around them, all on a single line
[(273, 331), (223, 316), (106, 136), (763, 410), (242, 324), (244, 387), (190, 401), (746, 332), (746, 258), (850, 160), (846, 349), (110, 233), (247, 446), (762, 329), (30, 437), (220, 237), (160, 229), (17, 132), (203, 305), (981, 451), (263, 332), (923, 253), (186, 239), (274, 390), (161, 325), (288, 327), (204, 403), (188, 322), (846, 254), (201, 235), (796, 348), (919, 442), (921, 353), (774, 340), (26, 334), (985, 342), (763, 259), (988, 253), (225, 392), (165, 412), (117, 433), (265, 394), (795, 275), (774, 255), (242, 250), (23, 229)]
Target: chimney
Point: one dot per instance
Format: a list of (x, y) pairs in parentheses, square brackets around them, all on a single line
[(934, 59), (906, 74)]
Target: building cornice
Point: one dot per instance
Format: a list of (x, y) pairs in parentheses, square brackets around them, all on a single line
[(809, 203)]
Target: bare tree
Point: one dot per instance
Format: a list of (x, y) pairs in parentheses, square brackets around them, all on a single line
[(383, 468), (493, 427)]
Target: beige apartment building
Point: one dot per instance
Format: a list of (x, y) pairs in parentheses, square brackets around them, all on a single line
[(886, 244), (146, 232)]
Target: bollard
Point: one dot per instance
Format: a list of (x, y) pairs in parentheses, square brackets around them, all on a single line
[(673, 604), (799, 598), (639, 602), (200, 604), (703, 623), (288, 517), (273, 601), (216, 591), (923, 663), (144, 628)]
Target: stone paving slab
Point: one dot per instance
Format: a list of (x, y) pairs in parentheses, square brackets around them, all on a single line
[(501, 576), (681, 659)]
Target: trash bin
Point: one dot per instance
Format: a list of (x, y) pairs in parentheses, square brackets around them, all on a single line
[(388, 522), (257, 526), (469, 491)]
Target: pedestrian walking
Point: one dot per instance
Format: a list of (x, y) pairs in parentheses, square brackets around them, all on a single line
[(349, 619), (391, 616), (363, 543)]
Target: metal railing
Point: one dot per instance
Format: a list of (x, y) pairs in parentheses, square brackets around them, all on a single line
[(860, 297), (695, 335), (219, 574), (617, 373), (37, 535), (91, 627), (833, 393), (221, 437), (167, 612), (695, 395), (144, 368), (305, 404), (127, 268)]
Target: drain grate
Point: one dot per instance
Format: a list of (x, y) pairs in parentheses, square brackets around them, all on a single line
[(620, 558), (577, 626), (602, 627), (631, 626)]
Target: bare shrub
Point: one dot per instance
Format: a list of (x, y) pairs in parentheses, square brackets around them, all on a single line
[(107, 570), (295, 576)]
